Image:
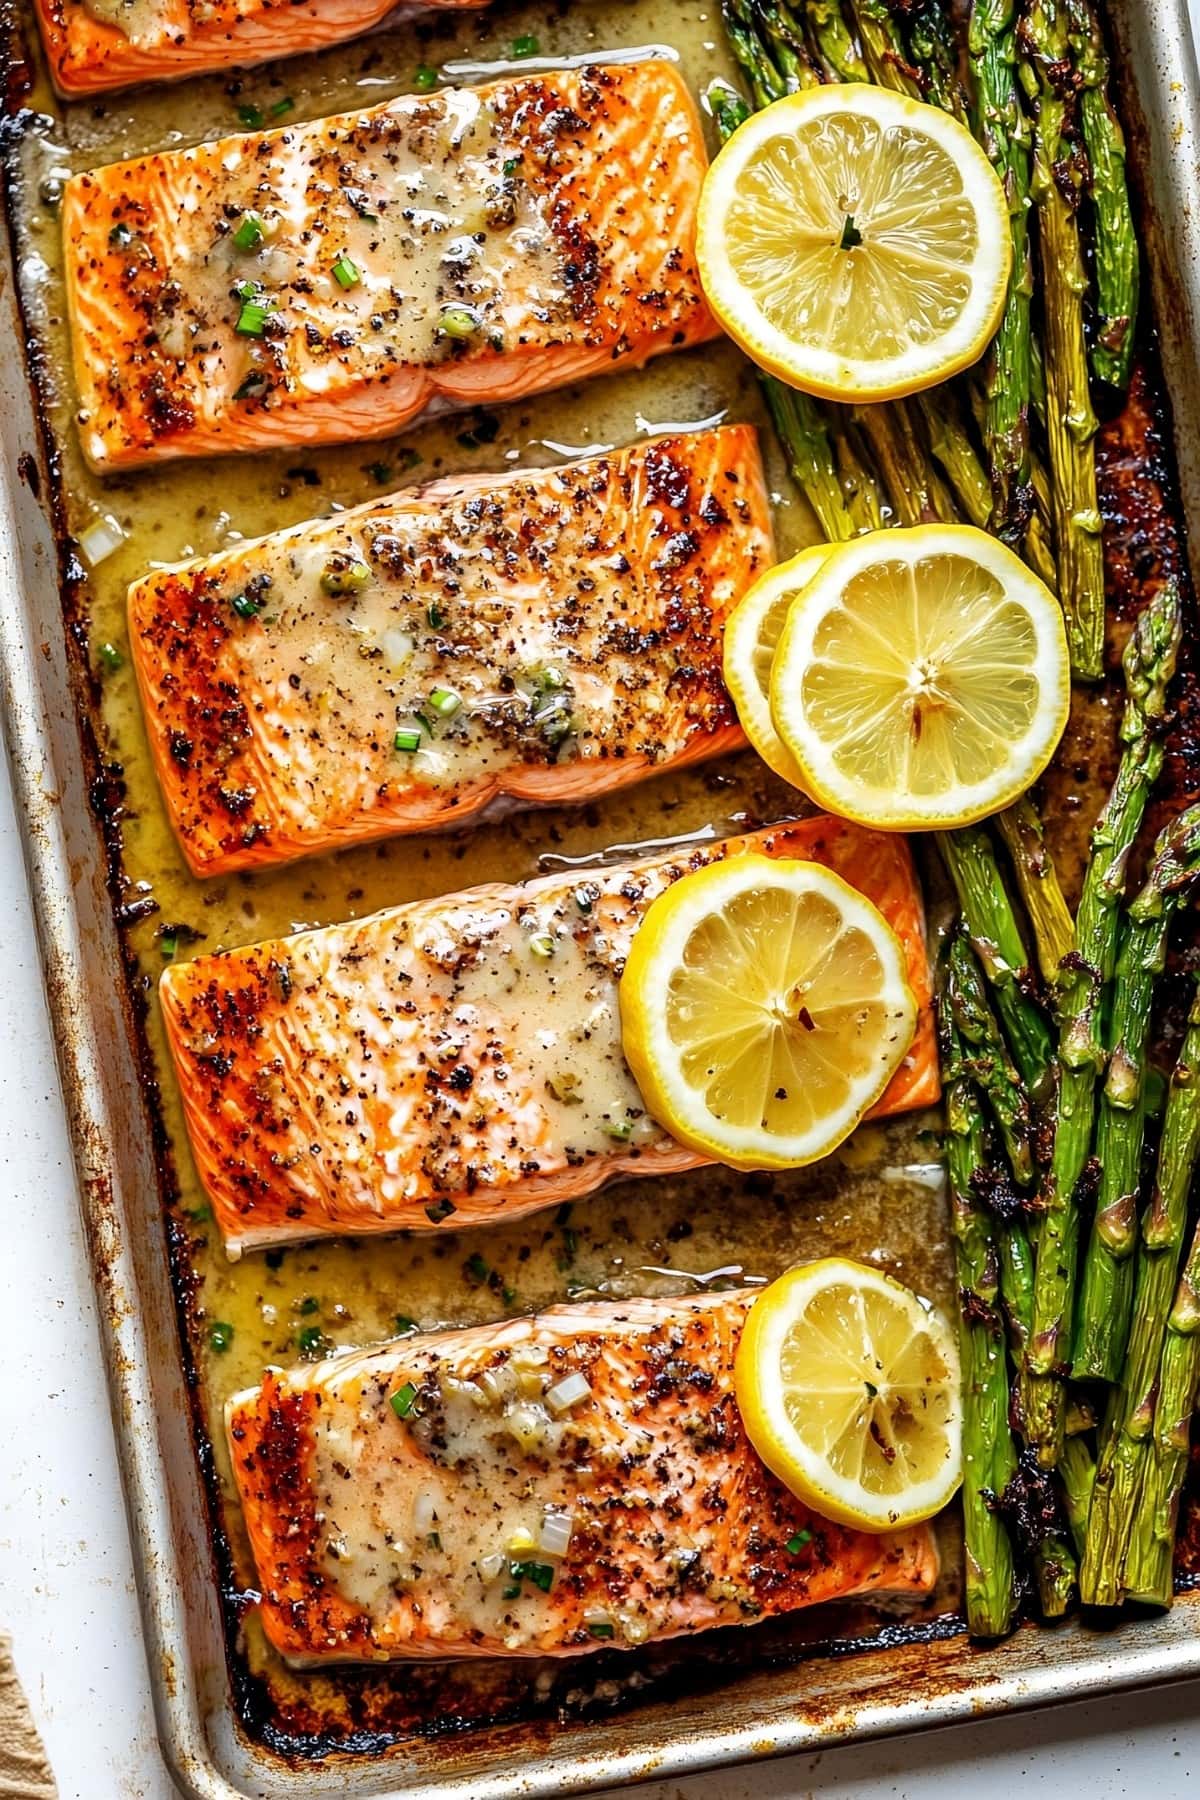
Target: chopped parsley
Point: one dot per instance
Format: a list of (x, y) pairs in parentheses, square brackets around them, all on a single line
[(403, 1400)]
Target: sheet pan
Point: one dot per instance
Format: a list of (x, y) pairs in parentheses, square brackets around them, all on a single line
[(767, 1713)]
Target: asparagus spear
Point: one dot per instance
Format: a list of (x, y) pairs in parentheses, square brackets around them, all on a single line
[(1037, 880), (1003, 130), (1149, 663), (989, 1456), (1125, 1453), (1106, 1291), (991, 924), (1149, 1571), (836, 50), (1112, 223), (986, 1054), (934, 53), (1071, 423), (885, 54)]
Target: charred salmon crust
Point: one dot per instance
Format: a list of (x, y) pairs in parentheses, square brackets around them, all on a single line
[(400, 1500), (458, 1061), (329, 282), (536, 637), (165, 40)]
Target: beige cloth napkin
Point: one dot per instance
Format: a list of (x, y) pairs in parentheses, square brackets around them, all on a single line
[(24, 1772)]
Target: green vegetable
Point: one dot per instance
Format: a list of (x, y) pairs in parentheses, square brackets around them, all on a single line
[(250, 116), (345, 272), (796, 1544), (344, 575), (250, 232), (459, 323), (425, 79), (525, 45), (246, 606), (404, 1325), (403, 1399), (253, 317), (408, 738), (282, 106), (540, 1574), (110, 656), (445, 702), (220, 1336)]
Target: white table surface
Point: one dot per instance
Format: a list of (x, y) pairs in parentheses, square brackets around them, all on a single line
[(66, 1583)]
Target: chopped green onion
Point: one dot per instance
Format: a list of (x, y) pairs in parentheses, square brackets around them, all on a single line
[(309, 1305), (379, 472), (246, 606), (220, 1336), (408, 738), (425, 79), (445, 702), (441, 1209), (459, 322), (585, 898), (620, 1129), (251, 386), (511, 164), (120, 237), (404, 1324), (512, 1593), (476, 1268), (525, 45), (312, 1341), (796, 1544), (541, 944), (402, 1400), (200, 1215), (253, 317), (600, 1631), (250, 116), (110, 656), (436, 616), (344, 575), (282, 106), (168, 944), (250, 232), (541, 1574), (346, 273)]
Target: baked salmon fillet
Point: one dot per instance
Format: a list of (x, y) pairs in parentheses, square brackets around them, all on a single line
[(329, 282), (458, 1061), (535, 637), (540, 1487), (95, 45)]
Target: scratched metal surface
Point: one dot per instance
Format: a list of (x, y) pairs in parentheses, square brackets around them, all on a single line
[(741, 1709)]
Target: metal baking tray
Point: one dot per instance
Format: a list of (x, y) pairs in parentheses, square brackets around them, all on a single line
[(722, 1713)]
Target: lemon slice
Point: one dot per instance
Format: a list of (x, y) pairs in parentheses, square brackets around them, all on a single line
[(922, 678), (764, 1008), (855, 242), (848, 1387), (751, 634)]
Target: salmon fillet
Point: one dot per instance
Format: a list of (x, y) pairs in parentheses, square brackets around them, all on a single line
[(329, 282), (95, 45), (457, 1061), (540, 637), (398, 1499)]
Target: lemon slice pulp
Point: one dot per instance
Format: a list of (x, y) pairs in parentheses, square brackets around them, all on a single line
[(848, 1387), (764, 1009), (855, 242), (752, 633), (922, 678)]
